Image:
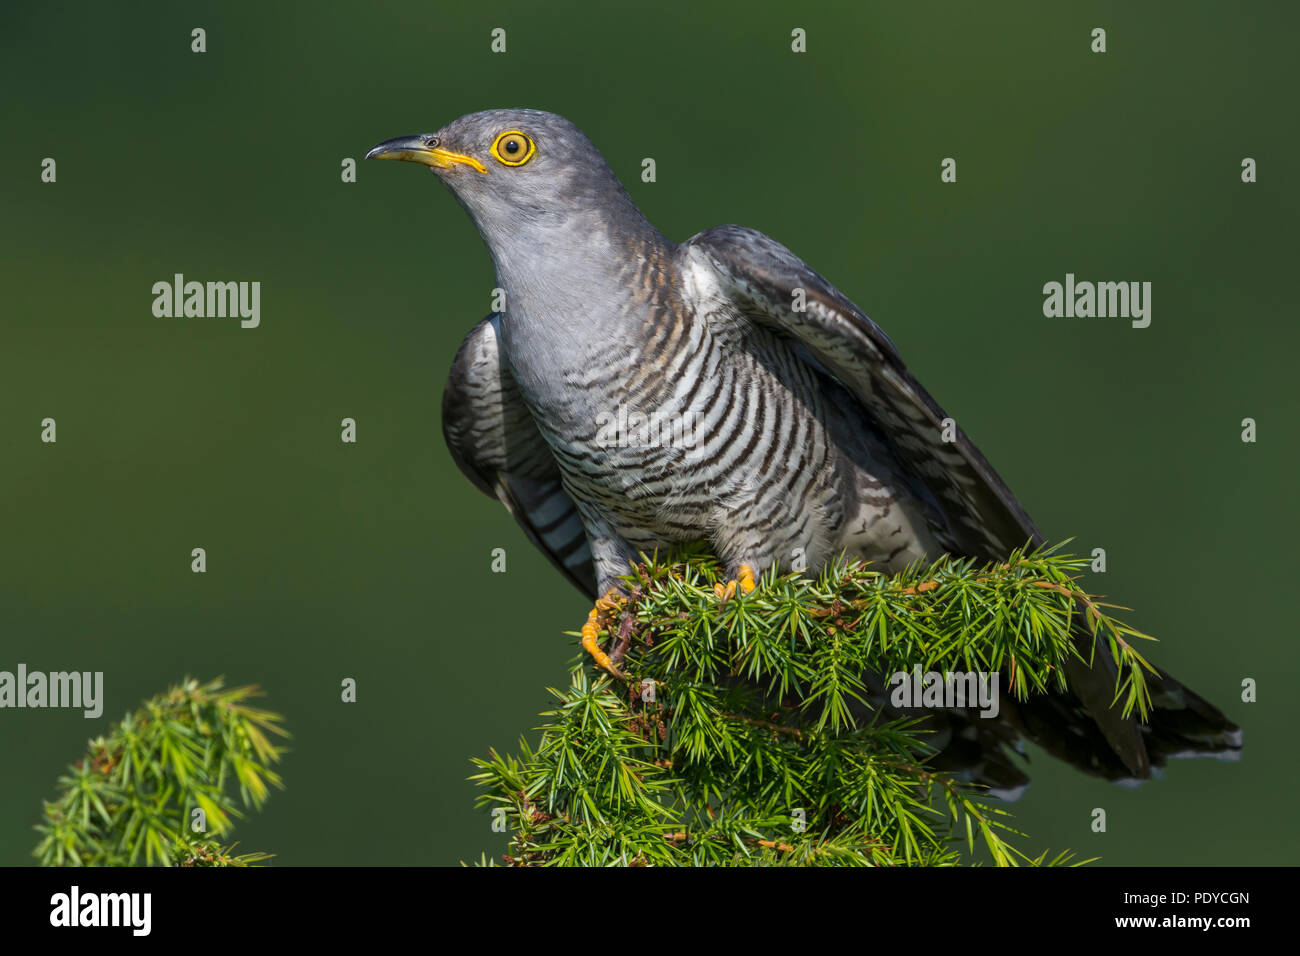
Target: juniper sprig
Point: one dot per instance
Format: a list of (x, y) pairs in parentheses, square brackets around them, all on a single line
[(744, 735), (132, 798)]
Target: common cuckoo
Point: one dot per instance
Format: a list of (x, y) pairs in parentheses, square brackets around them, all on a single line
[(783, 420)]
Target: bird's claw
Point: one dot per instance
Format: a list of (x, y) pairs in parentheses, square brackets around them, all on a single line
[(611, 601), (744, 582)]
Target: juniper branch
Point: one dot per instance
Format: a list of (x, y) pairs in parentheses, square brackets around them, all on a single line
[(131, 798), (759, 746)]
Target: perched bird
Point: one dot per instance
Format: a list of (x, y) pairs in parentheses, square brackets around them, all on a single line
[(787, 423)]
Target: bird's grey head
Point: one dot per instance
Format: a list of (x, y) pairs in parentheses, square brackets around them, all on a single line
[(525, 177)]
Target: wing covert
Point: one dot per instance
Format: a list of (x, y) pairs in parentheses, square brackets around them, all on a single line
[(760, 276)]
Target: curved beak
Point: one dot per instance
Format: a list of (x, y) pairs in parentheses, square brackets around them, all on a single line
[(416, 149)]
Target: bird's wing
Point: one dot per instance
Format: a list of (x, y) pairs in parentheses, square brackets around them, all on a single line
[(495, 442), (760, 276)]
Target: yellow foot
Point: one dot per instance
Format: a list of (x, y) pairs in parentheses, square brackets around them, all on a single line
[(612, 601), (744, 580)]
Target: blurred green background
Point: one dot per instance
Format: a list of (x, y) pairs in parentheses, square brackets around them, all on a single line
[(371, 561)]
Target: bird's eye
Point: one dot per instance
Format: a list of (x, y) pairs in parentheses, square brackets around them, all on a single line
[(513, 148), (431, 142)]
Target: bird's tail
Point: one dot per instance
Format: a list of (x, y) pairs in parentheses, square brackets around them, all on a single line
[(1085, 729), (1184, 724), (1079, 725), (1082, 727)]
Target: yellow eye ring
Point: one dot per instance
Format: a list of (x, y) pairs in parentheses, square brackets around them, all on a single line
[(513, 148)]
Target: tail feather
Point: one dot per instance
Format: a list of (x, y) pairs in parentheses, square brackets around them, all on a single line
[(1082, 726), (1180, 724), (1079, 726), (1184, 724)]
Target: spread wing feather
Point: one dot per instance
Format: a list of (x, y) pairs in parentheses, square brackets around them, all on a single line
[(761, 276), (494, 441)]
